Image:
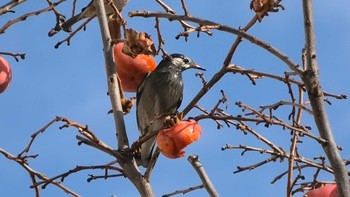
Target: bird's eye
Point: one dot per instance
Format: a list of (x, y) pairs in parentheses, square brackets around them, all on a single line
[(186, 61)]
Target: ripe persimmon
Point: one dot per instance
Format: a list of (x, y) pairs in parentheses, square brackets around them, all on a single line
[(325, 191), (131, 71), (5, 74), (172, 141)]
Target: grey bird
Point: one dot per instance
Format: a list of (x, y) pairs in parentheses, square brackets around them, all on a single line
[(90, 11), (159, 94)]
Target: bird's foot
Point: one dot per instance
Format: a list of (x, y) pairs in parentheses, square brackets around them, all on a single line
[(171, 120), (136, 149)]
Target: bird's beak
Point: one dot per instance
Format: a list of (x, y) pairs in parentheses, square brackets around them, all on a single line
[(196, 66)]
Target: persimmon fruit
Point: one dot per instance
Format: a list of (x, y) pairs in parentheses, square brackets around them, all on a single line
[(325, 191), (5, 74), (172, 141), (131, 71)]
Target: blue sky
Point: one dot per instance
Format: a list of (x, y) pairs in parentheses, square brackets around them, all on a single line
[(71, 82)]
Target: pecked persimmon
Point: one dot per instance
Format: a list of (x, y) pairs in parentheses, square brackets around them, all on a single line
[(5, 74), (131, 71), (325, 191), (172, 141)]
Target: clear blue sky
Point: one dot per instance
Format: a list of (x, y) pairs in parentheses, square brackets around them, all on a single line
[(70, 82)]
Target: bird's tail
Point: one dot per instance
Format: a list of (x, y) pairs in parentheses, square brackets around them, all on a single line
[(146, 153), (67, 25)]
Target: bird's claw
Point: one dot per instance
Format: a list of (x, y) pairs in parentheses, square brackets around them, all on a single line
[(136, 149), (171, 120)]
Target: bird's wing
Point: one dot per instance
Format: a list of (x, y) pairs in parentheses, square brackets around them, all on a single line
[(141, 87), (154, 99)]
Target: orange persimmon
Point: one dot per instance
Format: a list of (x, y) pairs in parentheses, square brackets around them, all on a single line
[(5, 74), (325, 191), (131, 71), (172, 141)]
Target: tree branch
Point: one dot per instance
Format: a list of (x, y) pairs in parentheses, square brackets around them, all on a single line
[(7, 7), (15, 55), (25, 16), (32, 173), (241, 33), (193, 159), (316, 97), (128, 163), (184, 191)]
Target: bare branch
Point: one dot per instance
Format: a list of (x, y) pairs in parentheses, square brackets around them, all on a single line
[(151, 164), (221, 72), (113, 82), (34, 135), (7, 7), (166, 7), (160, 38), (194, 160), (32, 173), (316, 98), (75, 170), (280, 103), (219, 125), (128, 163), (293, 66), (15, 55), (25, 16), (275, 155), (184, 7), (184, 191), (253, 75), (67, 39), (293, 146), (337, 96)]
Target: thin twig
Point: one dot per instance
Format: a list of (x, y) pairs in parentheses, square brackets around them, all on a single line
[(25, 16), (32, 173), (166, 7), (184, 7), (184, 191), (67, 39), (241, 33), (7, 7), (280, 103), (275, 155), (75, 170), (15, 55), (160, 37), (151, 164), (34, 135)]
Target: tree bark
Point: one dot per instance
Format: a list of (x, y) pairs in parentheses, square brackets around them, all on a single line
[(316, 97), (127, 161)]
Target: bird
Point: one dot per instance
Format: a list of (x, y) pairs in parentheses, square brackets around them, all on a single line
[(159, 94), (90, 11)]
